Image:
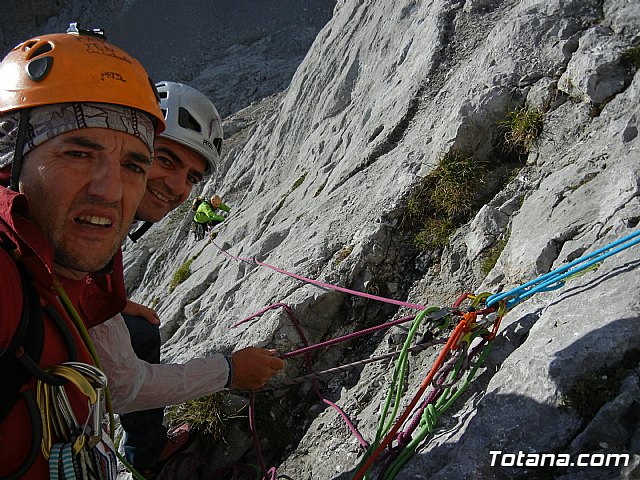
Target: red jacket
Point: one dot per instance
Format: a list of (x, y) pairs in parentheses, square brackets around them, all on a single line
[(96, 298)]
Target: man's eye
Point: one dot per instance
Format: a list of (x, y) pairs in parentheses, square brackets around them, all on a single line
[(163, 160), (135, 167), (76, 154), (193, 180)]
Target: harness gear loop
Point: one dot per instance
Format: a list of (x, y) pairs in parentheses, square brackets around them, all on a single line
[(56, 412)]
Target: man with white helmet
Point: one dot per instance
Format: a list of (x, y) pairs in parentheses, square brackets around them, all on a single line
[(187, 150)]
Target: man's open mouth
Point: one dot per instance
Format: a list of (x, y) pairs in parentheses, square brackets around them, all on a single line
[(93, 220)]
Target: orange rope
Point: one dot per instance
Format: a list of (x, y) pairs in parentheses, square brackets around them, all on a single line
[(452, 344)]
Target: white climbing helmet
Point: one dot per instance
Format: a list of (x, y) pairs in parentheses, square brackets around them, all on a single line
[(192, 120)]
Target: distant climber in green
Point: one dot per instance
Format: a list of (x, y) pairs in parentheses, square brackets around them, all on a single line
[(205, 217)]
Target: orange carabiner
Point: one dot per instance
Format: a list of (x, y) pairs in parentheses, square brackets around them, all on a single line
[(461, 329)]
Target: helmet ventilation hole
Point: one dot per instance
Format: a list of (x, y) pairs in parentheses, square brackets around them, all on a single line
[(217, 142), (34, 50), (39, 68), (186, 120)]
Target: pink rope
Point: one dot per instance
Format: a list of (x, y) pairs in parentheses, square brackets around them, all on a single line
[(327, 286), (308, 348), (254, 431), (341, 289), (304, 351), (350, 425), (344, 338), (257, 314)]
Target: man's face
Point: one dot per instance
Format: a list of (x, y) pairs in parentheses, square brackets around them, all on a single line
[(83, 189), (174, 172)]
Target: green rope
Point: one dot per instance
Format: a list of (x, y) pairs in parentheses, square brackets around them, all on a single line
[(73, 313), (397, 382), (432, 413), (134, 473), (399, 375)]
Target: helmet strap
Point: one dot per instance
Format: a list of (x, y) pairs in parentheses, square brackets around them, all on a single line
[(16, 165), (141, 230)]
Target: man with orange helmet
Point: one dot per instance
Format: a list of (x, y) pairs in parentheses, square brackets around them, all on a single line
[(206, 214), (78, 117)]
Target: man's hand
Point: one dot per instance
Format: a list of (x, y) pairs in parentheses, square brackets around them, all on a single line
[(253, 367), (136, 310)]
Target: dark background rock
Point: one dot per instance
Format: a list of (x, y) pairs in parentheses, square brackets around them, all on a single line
[(236, 52)]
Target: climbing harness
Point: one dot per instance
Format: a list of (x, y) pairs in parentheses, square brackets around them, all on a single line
[(470, 328), (75, 450)]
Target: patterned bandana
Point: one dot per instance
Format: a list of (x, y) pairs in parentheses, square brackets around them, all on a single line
[(49, 121)]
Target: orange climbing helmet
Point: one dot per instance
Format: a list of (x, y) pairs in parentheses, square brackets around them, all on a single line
[(215, 201), (77, 66)]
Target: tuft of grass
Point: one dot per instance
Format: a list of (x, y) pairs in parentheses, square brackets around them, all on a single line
[(298, 182), (295, 185), (434, 234), (444, 199), (493, 254), (591, 392), (587, 178), (154, 303), (632, 57), (342, 254), (206, 416), (181, 274), (320, 188), (522, 127), (184, 271)]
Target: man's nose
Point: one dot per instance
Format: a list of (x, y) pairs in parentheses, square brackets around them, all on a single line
[(176, 182), (106, 181)]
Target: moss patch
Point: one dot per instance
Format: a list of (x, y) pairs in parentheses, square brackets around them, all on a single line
[(632, 57), (342, 254), (493, 254), (592, 391)]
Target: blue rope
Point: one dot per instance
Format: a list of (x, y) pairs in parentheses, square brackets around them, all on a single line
[(554, 279)]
